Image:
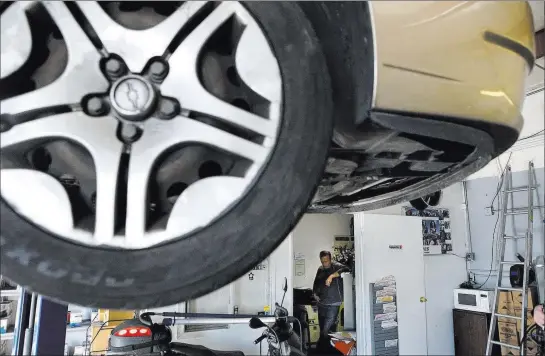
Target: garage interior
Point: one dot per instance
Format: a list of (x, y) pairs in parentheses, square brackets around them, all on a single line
[(417, 278)]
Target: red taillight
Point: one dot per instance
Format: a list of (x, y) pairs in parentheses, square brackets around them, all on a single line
[(133, 331)]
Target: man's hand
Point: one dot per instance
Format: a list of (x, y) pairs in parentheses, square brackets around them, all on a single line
[(539, 316), (330, 278)]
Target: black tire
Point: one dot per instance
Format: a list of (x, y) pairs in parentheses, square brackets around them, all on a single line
[(435, 198), (230, 246), (344, 30), (423, 203), (419, 204)]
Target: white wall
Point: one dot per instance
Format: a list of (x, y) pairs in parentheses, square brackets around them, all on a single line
[(482, 188), (241, 337), (315, 233), (443, 273)]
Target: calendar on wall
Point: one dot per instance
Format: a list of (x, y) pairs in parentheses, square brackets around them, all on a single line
[(436, 234)]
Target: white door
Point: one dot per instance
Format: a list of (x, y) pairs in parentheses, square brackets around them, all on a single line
[(391, 245)]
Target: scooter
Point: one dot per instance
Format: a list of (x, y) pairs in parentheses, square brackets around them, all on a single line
[(281, 339), (143, 337)]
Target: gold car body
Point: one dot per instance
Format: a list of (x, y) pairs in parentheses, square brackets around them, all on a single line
[(459, 59)]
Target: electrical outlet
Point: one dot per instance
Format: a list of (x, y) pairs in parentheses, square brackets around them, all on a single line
[(470, 256), (488, 211)]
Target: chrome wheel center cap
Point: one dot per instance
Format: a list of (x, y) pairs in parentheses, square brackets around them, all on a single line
[(133, 97)]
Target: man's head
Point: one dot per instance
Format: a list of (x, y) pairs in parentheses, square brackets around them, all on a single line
[(325, 258)]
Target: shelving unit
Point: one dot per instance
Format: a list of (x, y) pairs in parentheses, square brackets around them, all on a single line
[(7, 338), (10, 293)]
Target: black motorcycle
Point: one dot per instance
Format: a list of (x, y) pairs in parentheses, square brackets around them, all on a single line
[(143, 337), (281, 338)]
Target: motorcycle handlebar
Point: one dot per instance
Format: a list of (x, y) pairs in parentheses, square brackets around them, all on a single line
[(290, 319), (259, 339)]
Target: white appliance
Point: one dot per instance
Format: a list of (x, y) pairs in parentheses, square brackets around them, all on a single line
[(478, 300), (349, 302)]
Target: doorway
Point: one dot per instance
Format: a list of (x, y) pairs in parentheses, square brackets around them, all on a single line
[(390, 263)]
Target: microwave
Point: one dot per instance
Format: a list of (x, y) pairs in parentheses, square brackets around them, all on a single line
[(479, 300)]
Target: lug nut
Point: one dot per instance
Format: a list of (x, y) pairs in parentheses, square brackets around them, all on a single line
[(158, 70), (129, 132), (167, 109), (95, 106), (114, 67)]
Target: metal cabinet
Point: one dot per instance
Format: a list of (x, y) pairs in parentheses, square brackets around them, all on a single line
[(471, 333)]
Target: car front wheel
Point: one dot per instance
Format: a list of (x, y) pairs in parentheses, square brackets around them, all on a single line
[(154, 151)]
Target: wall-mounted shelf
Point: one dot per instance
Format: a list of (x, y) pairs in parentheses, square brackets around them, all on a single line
[(84, 326), (10, 293), (7, 336)]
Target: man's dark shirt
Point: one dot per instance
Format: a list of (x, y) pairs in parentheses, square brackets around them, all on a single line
[(332, 295)]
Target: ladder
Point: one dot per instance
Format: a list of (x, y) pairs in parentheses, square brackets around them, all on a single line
[(508, 191)]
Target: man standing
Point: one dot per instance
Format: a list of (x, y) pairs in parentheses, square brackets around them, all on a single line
[(328, 290)]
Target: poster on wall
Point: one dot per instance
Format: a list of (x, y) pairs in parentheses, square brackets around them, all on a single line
[(436, 235), (343, 251), (299, 268)]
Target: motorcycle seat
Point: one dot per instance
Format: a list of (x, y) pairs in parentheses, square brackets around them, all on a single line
[(198, 350)]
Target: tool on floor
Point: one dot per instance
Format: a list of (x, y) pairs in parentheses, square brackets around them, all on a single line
[(523, 263)]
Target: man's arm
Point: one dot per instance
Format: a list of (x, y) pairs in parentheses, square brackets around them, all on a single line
[(339, 268), (316, 282)]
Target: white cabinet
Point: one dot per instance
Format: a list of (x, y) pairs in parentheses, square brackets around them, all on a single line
[(388, 245)]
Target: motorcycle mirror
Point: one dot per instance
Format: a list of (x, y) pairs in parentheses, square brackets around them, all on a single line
[(285, 287), (256, 323)]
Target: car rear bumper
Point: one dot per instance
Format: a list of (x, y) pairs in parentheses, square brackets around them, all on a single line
[(465, 60)]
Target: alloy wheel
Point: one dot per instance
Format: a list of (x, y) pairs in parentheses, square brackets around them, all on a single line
[(129, 125)]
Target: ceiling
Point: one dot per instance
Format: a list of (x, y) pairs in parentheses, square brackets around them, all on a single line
[(538, 9), (536, 79)]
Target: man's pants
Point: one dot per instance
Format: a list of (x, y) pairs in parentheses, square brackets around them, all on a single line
[(327, 318)]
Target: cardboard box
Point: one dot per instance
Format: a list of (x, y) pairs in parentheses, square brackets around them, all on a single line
[(505, 306), (505, 301), (507, 330), (529, 320), (531, 348), (506, 351), (508, 334), (510, 303), (531, 298)]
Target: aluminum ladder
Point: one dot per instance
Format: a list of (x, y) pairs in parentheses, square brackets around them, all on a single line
[(508, 191)]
